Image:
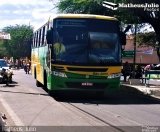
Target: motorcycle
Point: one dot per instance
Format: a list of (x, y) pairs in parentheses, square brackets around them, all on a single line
[(27, 68), (6, 76)]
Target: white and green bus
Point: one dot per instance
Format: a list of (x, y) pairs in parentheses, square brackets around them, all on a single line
[(78, 52)]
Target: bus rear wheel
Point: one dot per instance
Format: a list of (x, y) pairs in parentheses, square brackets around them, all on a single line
[(38, 84), (45, 81)]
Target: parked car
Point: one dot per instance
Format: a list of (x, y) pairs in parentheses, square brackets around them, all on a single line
[(5, 72)]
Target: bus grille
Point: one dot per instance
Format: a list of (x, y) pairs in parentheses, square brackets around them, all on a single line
[(59, 68), (87, 69), (79, 85)]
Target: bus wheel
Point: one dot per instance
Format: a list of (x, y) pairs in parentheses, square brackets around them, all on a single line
[(45, 81), (50, 92), (53, 93), (38, 84), (35, 75)]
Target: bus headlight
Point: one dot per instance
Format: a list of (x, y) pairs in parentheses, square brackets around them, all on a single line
[(115, 75), (59, 74)]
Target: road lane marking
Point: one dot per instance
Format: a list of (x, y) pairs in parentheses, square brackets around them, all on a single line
[(12, 114)]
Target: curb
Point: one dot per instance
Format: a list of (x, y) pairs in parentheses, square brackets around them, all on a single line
[(145, 90)]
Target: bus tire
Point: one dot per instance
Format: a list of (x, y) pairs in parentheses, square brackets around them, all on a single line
[(38, 84), (53, 93), (50, 93), (35, 74), (45, 80)]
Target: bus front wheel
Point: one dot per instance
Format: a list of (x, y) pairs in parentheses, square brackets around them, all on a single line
[(45, 80), (54, 94)]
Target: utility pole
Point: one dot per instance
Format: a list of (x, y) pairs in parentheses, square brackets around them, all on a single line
[(134, 60)]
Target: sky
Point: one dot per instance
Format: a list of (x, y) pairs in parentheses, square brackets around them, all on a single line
[(28, 12)]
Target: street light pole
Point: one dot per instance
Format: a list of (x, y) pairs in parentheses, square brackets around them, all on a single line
[(134, 60)]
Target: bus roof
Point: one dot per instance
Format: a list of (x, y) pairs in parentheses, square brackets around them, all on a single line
[(89, 16), (84, 16)]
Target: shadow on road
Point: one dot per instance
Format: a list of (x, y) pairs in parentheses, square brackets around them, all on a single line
[(3, 88), (126, 95), (10, 85), (13, 84), (24, 92)]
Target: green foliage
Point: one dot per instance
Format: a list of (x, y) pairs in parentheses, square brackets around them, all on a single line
[(2, 49), (20, 43), (125, 15), (78, 6), (95, 7), (146, 38)]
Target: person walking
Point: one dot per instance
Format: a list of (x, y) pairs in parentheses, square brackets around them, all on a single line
[(139, 72), (126, 71)]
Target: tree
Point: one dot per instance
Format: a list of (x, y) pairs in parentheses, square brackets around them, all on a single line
[(149, 39), (3, 51), (127, 15), (151, 16), (20, 43), (93, 7)]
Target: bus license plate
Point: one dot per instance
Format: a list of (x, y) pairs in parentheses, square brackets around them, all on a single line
[(86, 84)]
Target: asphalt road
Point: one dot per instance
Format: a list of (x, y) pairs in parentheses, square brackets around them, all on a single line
[(29, 105)]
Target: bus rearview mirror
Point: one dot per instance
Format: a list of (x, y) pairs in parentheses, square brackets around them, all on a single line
[(123, 38), (123, 35), (127, 28)]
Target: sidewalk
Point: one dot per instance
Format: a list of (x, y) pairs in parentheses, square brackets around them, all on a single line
[(152, 90)]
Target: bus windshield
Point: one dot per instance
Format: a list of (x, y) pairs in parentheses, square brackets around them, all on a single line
[(86, 41)]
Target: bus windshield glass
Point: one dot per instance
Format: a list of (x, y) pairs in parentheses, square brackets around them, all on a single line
[(86, 41)]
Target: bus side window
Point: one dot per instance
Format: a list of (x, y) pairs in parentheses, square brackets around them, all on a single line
[(37, 39), (43, 35), (39, 44), (34, 40)]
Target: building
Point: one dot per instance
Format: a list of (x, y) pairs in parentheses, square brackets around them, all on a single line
[(144, 54)]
